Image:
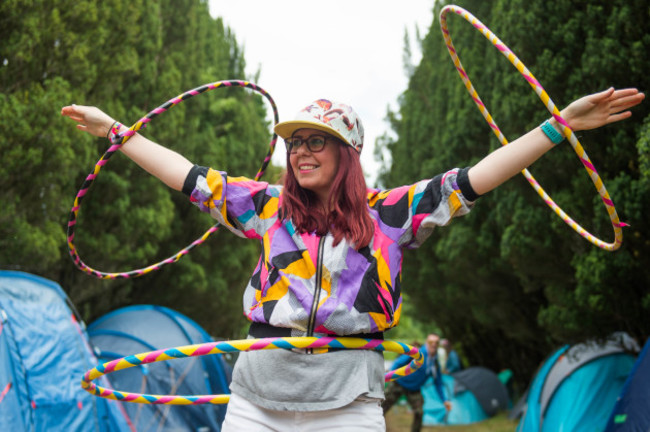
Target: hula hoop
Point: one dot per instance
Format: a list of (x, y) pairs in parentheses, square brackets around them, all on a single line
[(235, 346), (539, 90), (119, 140)]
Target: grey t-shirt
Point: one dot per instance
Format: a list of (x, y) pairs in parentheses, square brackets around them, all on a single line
[(284, 380)]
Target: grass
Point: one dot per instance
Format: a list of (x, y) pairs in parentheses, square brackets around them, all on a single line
[(399, 419)]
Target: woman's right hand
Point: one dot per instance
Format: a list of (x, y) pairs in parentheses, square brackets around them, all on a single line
[(89, 119), (167, 165)]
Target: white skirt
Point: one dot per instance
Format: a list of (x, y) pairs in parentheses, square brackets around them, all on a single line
[(359, 416)]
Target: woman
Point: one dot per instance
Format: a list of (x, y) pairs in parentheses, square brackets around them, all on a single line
[(332, 251)]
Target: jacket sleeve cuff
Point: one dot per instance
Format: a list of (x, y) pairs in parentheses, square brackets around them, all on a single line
[(465, 186), (190, 181)]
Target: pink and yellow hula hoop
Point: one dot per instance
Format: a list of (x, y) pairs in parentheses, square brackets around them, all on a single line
[(539, 90), (235, 346), (119, 140)]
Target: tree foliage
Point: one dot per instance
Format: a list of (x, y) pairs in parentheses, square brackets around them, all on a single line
[(506, 284), (511, 280), (126, 57)]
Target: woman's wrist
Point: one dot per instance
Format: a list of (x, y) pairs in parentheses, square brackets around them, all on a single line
[(553, 130), (556, 124), (569, 115), (116, 128), (110, 128)]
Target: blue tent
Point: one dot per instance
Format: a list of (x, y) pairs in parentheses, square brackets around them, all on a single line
[(476, 393), (577, 386), (137, 329), (44, 352), (632, 410)]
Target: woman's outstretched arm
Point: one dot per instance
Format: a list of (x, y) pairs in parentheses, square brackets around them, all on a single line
[(167, 165), (588, 112)]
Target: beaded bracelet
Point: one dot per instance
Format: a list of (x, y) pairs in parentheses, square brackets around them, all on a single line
[(114, 130), (108, 134)]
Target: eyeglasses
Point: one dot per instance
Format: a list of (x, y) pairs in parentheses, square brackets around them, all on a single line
[(315, 143)]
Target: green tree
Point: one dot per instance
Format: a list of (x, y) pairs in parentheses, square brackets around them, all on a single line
[(511, 280), (126, 58)]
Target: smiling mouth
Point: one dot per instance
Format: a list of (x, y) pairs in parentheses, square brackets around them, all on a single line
[(307, 167)]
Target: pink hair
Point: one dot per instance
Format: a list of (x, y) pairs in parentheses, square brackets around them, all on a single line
[(348, 217)]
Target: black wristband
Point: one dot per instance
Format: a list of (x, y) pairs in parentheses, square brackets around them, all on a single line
[(108, 134)]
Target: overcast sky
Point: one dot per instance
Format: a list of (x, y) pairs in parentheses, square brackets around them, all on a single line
[(345, 50)]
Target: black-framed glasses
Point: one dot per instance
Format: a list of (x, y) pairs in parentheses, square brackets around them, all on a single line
[(315, 143)]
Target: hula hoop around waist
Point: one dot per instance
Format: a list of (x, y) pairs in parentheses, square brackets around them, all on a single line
[(244, 345)]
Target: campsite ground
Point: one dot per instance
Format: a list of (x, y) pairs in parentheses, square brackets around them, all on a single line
[(399, 419)]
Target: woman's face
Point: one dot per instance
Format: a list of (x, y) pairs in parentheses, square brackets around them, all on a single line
[(315, 170)]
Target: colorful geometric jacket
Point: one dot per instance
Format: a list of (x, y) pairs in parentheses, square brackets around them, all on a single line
[(305, 285)]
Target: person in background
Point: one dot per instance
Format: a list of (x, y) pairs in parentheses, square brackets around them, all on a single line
[(442, 357), (411, 385), (448, 358)]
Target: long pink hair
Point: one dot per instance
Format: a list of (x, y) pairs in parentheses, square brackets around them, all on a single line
[(348, 217)]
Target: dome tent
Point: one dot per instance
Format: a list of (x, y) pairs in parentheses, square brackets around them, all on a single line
[(577, 386), (142, 328), (44, 352), (476, 393)]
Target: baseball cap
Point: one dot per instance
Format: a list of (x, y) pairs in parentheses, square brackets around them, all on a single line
[(334, 118)]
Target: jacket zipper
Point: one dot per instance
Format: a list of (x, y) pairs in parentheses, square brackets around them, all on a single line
[(319, 276)]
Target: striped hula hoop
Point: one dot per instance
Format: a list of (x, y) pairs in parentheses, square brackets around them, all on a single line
[(244, 345), (118, 140), (539, 90)]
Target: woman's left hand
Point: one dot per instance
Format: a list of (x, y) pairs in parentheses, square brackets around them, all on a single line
[(588, 112), (599, 109)]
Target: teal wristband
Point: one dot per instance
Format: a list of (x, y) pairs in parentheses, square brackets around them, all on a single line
[(552, 133)]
